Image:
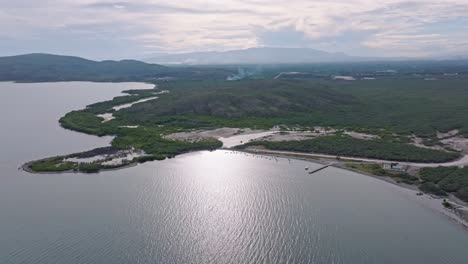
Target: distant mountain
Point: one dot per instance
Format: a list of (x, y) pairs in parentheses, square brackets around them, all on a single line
[(47, 67), (457, 57), (254, 56)]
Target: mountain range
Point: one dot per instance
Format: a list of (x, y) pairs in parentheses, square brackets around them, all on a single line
[(40, 67), (254, 56)]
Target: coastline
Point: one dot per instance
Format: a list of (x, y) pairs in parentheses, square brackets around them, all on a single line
[(224, 202), (231, 137), (458, 162), (429, 201)]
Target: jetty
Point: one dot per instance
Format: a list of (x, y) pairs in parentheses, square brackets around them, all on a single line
[(321, 168)]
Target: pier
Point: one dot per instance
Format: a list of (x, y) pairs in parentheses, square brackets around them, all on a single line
[(321, 168)]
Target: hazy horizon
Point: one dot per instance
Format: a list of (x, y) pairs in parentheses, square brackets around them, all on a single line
[(102, 29)]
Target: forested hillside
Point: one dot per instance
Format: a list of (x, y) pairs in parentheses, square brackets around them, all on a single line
[(46, 67)]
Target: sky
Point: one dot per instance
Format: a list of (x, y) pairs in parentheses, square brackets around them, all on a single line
[(102, 29)]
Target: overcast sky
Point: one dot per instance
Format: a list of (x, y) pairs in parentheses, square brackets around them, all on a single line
[(101, 29)]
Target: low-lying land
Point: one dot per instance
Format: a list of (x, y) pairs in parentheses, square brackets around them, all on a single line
[(342, 145), (88, 162), (369, 119), (146, 139)]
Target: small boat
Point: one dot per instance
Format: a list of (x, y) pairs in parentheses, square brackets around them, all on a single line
[(306, 168)]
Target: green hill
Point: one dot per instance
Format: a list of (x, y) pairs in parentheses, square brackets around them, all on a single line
[(45, 67)]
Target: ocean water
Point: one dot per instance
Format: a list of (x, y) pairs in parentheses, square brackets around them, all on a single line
[(202, 207)]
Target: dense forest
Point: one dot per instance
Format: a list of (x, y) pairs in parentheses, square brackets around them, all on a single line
[(347, 146), (442, 180), (403, 106)]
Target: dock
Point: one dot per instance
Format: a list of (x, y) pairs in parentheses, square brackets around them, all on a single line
[(321, 168)]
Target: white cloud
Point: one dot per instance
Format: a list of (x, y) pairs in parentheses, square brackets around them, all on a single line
[(122, 28)]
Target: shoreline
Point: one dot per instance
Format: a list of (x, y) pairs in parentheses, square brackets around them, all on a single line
[(339, 159), (429, 201), (463, 160)]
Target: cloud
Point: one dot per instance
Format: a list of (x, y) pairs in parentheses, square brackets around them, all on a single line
[(283, 37), (117, 29)]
